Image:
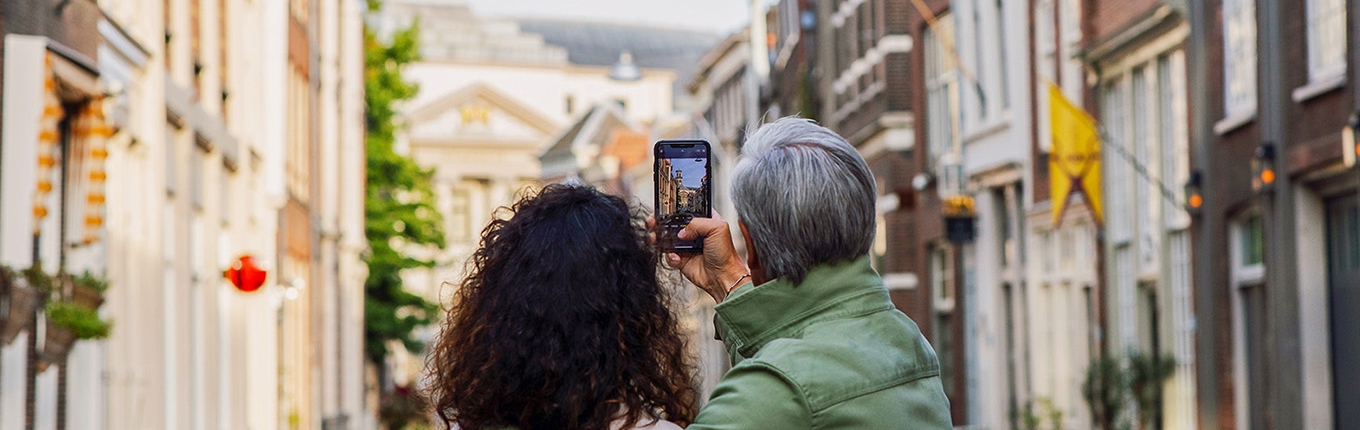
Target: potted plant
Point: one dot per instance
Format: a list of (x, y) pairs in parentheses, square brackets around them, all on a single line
[(66, 323), (1105, 388), (1148, 374), (88, 289), (26, 293)]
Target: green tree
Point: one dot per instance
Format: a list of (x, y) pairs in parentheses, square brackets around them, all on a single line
[(399, 206)]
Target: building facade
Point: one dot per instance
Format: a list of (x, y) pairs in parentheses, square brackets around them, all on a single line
[(199, 130), (1062, 293), (1274, 316)]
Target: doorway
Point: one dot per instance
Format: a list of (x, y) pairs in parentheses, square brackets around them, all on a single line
[(1343, 267)]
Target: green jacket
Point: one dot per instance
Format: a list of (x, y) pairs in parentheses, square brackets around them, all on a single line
[(829, 353)]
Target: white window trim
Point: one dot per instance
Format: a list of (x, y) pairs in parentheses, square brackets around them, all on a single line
[(1240, 277), (900, 281), (943, 304), (946, 82), (1234, 122), (1319, 87)]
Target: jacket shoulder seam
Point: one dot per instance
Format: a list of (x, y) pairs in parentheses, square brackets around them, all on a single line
[(911, 375)]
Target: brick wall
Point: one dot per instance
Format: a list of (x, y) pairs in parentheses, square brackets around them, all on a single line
[(73, 26), (1108, 17), (1315, 138)]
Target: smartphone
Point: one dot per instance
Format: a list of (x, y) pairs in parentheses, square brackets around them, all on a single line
[(683, 190)]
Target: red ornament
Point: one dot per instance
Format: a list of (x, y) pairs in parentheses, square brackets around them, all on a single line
[(245, 275)]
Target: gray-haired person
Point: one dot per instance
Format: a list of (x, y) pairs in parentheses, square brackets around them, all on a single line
[(815, 341)]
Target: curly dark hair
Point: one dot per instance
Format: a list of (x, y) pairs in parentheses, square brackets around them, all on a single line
[(561, 323)]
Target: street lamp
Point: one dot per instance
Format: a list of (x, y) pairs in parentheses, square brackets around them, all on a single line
[(1194, 192), (1349, 149), (1263, 167)]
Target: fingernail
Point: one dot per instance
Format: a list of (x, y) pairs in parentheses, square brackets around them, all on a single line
[(682, 232)]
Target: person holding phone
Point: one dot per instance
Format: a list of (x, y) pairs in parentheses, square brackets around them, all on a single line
[(814, 340), (561, 323)]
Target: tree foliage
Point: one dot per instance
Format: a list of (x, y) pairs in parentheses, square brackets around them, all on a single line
[(399, 205)]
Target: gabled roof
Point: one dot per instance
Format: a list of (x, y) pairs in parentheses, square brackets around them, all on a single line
[(498, 100), (596, 126), (562, 145), (712, 57)]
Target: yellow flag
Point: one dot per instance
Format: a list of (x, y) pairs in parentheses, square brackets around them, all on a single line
[(1074, 163)]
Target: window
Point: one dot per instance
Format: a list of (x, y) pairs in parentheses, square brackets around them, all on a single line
[(1239, 57), (171, 159), (1251, 237), (1175, 136), (1138, 96), (1326, 39), (1046, 54), (196, 183), (1116, 191), (999, 13), (942, 277), (1067, 250), (1247, 276), (460, 220), (1147, 318), (570, 104), (226, 197), (880, 249), (1003, 226), (167, 15), (942, 102), (223, 25), (1046, 252), (983, 71)]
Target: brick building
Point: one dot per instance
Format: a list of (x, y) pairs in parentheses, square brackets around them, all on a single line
[(867, 60), (793, 89), (1275, 317)]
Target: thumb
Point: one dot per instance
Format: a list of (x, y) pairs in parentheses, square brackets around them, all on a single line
[(699, 228)]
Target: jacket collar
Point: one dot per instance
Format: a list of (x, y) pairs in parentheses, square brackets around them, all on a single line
[(754, 316)]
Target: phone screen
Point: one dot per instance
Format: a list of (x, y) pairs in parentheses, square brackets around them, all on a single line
[(683, 190)]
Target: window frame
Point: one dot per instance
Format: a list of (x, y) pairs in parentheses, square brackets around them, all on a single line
[(944, 285), (1239, 59), (1242, 277), (1329, 63)]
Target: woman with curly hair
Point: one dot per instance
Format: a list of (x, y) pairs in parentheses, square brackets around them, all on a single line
[(561, 323)]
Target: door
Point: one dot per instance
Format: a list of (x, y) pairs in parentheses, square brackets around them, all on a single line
[(1343, 266)]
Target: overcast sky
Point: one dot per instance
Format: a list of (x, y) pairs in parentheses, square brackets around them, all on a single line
[(717, 16)]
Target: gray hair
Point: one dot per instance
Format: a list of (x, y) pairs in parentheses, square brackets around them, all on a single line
[(806, 196)]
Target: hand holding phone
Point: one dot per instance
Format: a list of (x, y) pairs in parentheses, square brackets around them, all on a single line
[(683, 176)]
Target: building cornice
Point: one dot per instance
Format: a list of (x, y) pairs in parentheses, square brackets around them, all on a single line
[(1151, 24)]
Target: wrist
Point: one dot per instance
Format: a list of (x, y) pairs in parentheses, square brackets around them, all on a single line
[(733, 278), (740, 280)]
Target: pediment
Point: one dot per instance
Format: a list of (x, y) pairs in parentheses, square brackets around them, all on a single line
[(478, 111)]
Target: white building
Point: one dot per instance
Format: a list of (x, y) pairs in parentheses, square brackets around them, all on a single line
[(196, 178), (993, 122), (1061, 302), (1145, 124), (492, 99)]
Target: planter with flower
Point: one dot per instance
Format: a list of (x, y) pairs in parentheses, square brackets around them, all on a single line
[(67, 322), (73, 315), (21, 293), (88, 290)]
